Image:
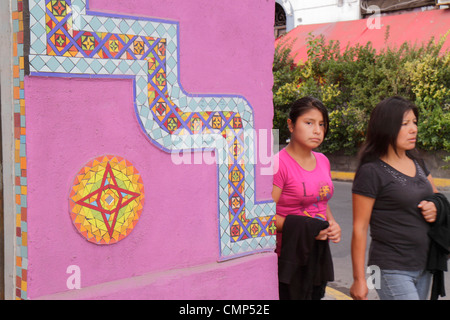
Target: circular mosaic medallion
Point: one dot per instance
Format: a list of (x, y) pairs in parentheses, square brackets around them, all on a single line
[(106, 199)]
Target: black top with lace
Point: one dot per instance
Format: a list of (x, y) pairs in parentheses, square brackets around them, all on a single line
[(397, 227)]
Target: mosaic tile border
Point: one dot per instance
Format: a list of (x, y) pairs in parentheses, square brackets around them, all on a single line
[(167, 114), (19, 25)]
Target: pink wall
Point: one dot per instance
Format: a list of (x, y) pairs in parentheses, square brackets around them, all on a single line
[(226, 48), (223, 50)]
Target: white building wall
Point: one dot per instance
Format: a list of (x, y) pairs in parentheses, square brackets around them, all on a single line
[(304, 12)]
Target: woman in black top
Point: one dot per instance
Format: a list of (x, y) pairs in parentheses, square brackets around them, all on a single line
[(388, 191)]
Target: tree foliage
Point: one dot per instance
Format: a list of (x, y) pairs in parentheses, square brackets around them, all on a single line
[(350, 82)]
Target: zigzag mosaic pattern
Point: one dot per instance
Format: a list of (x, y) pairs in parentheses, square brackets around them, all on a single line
[(69, 40)]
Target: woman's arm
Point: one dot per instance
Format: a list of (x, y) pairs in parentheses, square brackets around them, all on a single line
[(362, 211), (428, 208), (334, 230), (279, 220), (430, 178)]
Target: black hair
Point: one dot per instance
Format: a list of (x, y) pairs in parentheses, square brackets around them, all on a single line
[(303, 105), (384, 125)]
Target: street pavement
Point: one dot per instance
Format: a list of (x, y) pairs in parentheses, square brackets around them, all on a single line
[(341, 206)]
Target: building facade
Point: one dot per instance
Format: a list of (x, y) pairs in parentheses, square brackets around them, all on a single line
[(305, 12), (292, 13), (129, 132)]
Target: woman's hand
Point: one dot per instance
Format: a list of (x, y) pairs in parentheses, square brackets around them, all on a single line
[(359, 290), (334, 231), (322, 234), (429, 210)]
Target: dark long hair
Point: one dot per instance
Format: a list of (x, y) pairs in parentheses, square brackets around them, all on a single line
[(303, 105), (384, 125)]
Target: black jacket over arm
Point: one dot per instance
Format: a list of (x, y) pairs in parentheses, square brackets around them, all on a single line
[(440, 244), (304, 262)]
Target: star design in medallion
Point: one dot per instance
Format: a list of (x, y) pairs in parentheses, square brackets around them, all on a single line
[(108, 199)]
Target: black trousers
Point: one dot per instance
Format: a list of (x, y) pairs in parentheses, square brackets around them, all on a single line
[(318, 292)]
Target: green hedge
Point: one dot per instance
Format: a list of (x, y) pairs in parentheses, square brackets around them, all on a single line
[(350, 83)]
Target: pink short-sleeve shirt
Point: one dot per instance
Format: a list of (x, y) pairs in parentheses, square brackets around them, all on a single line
[(303, 192)]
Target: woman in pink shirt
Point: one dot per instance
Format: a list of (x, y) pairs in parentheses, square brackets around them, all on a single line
[(302, 186), (302, 182)]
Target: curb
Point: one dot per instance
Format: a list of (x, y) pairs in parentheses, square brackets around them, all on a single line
[(340, 175), (333, 294), (348, 176)]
